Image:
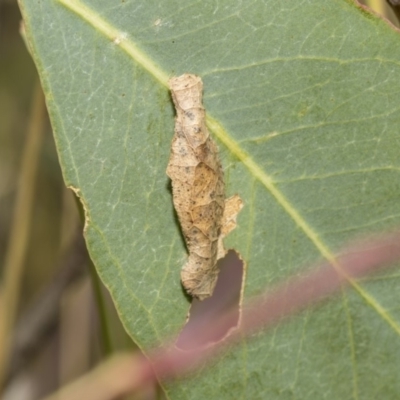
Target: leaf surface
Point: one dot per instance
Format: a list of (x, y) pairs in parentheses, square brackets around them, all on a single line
[(303, 101)]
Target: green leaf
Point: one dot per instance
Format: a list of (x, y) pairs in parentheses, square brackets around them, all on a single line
[(303, 100)]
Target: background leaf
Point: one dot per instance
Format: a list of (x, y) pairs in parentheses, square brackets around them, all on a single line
[(303, 98)]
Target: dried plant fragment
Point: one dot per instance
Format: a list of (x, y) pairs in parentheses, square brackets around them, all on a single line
[(206, 217)]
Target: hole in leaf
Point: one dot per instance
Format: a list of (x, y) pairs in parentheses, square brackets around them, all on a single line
[(213, 310)]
